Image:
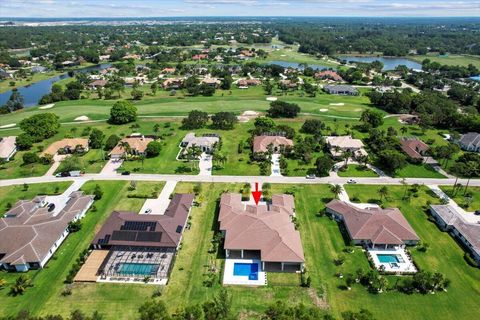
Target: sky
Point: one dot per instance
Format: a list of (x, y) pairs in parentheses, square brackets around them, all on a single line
[(172, 8)]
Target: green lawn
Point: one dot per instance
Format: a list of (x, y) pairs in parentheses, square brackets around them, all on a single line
[(418, 171), (451, 59), (112, 300), (460, 197), (355, 170), (12, 194), (91, 162), (16, 169)]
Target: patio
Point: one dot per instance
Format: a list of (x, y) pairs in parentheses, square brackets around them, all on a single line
[(229, 276), (392, 260)]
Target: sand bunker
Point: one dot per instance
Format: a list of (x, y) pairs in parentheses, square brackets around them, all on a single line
[(82, 118), (11, 125), (47, 106), (248, 115), (272, 98), (323, 110), (337, 104)]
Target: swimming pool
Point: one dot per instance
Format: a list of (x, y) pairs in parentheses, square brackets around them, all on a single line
[(143, 269), (388, 258), (246, 269)]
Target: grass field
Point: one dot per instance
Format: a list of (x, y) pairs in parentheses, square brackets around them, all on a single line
[(45, 295), (451, 59), (460, 197), (355, 170), (418, 171)]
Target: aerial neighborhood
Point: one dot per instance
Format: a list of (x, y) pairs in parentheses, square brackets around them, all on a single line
[(231, 167)]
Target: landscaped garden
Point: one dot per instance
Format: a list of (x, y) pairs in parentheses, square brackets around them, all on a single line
[(469, 199)]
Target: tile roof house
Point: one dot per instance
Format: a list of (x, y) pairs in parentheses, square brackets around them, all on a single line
[(137, 145), (264, 231), (340, 144), (374, 227), (100, 83), (66, 146), (413, 147), (328, 74), (172, 83), (205, 143), (341, 90), (7, 147), (144, 230), (261, 143), (470, 142), (449, 219), (31, 231), (213, 82)]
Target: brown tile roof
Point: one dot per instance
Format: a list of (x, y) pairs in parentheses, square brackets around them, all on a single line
[(328, 74), (267, 229), (28, 231), (414, 147), (261, 143), (65, 143), (132, 229), (138, 144), (381, 226)]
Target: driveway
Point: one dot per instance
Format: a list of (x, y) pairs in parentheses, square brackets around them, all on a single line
[(205, 165), (57, 159), (276, 165), (159, 205), (111, 167)]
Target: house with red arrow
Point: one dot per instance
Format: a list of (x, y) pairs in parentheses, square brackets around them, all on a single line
[(264, 233)]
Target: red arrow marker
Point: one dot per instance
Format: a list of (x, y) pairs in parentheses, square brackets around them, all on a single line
[(256, 194)]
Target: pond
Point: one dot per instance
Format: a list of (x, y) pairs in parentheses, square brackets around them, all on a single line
[(34, 92), (287, 64), (389, 63)]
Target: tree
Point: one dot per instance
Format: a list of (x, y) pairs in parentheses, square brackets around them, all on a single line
[(323, 165), (361, 315), (40, 126), (96, 139), (224, 120), (153, 310), (282, 109), (30, 157), (75, 226), (15, 102), (392, 160), (136, 94), (20, 285), (154, 88), (97, 192), (153, 149), (111, 142), (195, 120), (372, 118), (312, 126), (383, 192), (264, 124), (226, 82), (123, 112), (336, 189), (24, 141)]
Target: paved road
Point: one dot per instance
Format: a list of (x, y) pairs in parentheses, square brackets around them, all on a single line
[(239, 179)]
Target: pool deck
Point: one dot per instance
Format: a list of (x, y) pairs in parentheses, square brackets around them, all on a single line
[(230, 279), (405, 267)]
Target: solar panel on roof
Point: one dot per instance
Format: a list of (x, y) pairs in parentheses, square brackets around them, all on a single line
[(139, 225), (124, 235), (179, 229), (149, 236)]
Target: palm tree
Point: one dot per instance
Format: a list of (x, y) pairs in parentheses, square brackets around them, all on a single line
[(472, 170), (20, 286), (125, 146), (404, 183), (383, 192), (403, 130), (336, 189), (346, 155)]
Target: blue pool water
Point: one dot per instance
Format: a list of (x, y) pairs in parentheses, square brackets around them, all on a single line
[(388, 258), (137, 269), (476, 78), (246, 269)]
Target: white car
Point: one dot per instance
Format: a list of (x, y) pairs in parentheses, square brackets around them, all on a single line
[(351, 181)]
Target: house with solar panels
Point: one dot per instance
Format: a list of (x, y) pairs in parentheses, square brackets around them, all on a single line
[(133, 247)]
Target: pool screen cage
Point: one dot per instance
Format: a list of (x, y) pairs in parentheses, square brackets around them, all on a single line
[(160, 257)]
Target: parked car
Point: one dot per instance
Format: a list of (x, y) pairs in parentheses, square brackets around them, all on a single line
[(51, 207), (311, 176), (148, 211), (477, 213), (125, 173), (63, 174), (351, 181)]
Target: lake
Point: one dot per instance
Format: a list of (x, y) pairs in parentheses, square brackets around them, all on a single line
[(34, 92), (389, 63), (287, 64)]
